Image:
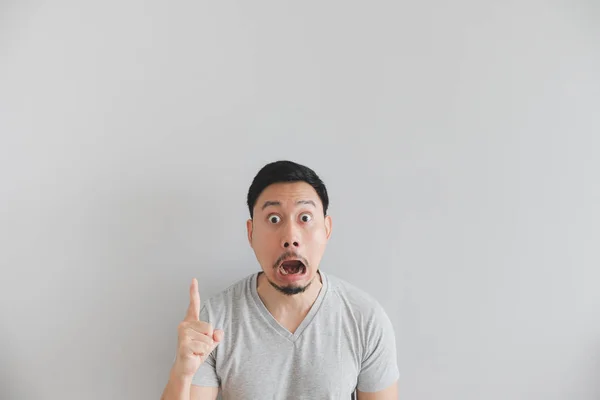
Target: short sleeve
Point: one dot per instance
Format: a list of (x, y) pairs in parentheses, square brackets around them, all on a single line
[(207, 373), (379, 367)]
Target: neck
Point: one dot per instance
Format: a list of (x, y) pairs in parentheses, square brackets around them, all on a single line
[(280, 305)]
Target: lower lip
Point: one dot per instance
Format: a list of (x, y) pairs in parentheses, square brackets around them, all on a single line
[(292, 277)]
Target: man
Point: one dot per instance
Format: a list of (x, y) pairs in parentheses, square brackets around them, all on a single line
[(290, 331)]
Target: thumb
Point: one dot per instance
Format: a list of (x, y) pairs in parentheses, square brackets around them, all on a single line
[(218, 336)]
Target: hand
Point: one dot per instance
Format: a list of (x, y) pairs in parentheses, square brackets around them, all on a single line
[(196, 339)]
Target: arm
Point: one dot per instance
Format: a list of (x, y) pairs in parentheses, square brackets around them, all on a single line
[(203, 392), (379, 375), (194, 363), (389, 393), (182, 389)]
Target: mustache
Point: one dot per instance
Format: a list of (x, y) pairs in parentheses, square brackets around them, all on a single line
[(290, 255)]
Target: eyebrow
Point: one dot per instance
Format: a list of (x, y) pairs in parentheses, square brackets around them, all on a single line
[(278, 203)]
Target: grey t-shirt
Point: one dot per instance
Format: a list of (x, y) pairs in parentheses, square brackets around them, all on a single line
[(345, 342)]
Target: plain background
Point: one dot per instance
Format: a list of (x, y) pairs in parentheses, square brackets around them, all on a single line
[(459, 142)]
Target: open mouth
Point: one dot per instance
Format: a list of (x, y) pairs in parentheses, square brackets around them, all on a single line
[(292, 267)]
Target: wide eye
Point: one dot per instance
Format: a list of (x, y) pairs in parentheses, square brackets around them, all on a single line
[(274, 219), (305, 217)]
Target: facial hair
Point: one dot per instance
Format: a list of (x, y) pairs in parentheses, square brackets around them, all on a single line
[(290, 290)]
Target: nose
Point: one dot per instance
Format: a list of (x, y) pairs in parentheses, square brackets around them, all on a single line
[(290, 237), (287, 244)]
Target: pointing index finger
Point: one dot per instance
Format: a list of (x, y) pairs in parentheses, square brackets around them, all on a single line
[(193, 313)]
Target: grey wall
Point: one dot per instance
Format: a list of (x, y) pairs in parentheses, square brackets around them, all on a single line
[(459, 141)]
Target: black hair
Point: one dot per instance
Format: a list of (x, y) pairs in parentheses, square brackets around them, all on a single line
[(285, 171)]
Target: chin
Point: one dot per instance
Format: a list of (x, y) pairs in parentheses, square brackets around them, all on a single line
[(292, 284)]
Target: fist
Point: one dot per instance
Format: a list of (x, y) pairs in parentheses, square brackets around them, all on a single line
[(195, 339)]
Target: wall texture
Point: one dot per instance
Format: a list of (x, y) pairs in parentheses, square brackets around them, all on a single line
[(459, 141)]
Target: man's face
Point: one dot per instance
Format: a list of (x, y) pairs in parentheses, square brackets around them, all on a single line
[(288, 233)]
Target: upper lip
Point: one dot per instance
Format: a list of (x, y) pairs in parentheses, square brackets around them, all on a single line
[(292, 259), (290, 256)]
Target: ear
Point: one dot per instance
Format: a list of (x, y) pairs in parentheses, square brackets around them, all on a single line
[(328, 226), (249, 227)]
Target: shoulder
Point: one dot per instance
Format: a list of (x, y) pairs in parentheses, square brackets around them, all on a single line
[(366, 318), (376, 340), (359, 302)]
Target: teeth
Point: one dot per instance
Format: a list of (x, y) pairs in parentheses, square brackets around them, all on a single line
[(301, 270)]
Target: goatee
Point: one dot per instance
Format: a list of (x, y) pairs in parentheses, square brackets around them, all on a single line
[(290, 290)]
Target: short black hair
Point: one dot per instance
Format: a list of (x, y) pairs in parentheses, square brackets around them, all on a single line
[(285, 171)]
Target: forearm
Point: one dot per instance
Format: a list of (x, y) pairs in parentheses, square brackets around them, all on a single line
[(177, 388)]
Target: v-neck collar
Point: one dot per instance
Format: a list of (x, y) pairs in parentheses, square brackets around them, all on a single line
[(253, 282)]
